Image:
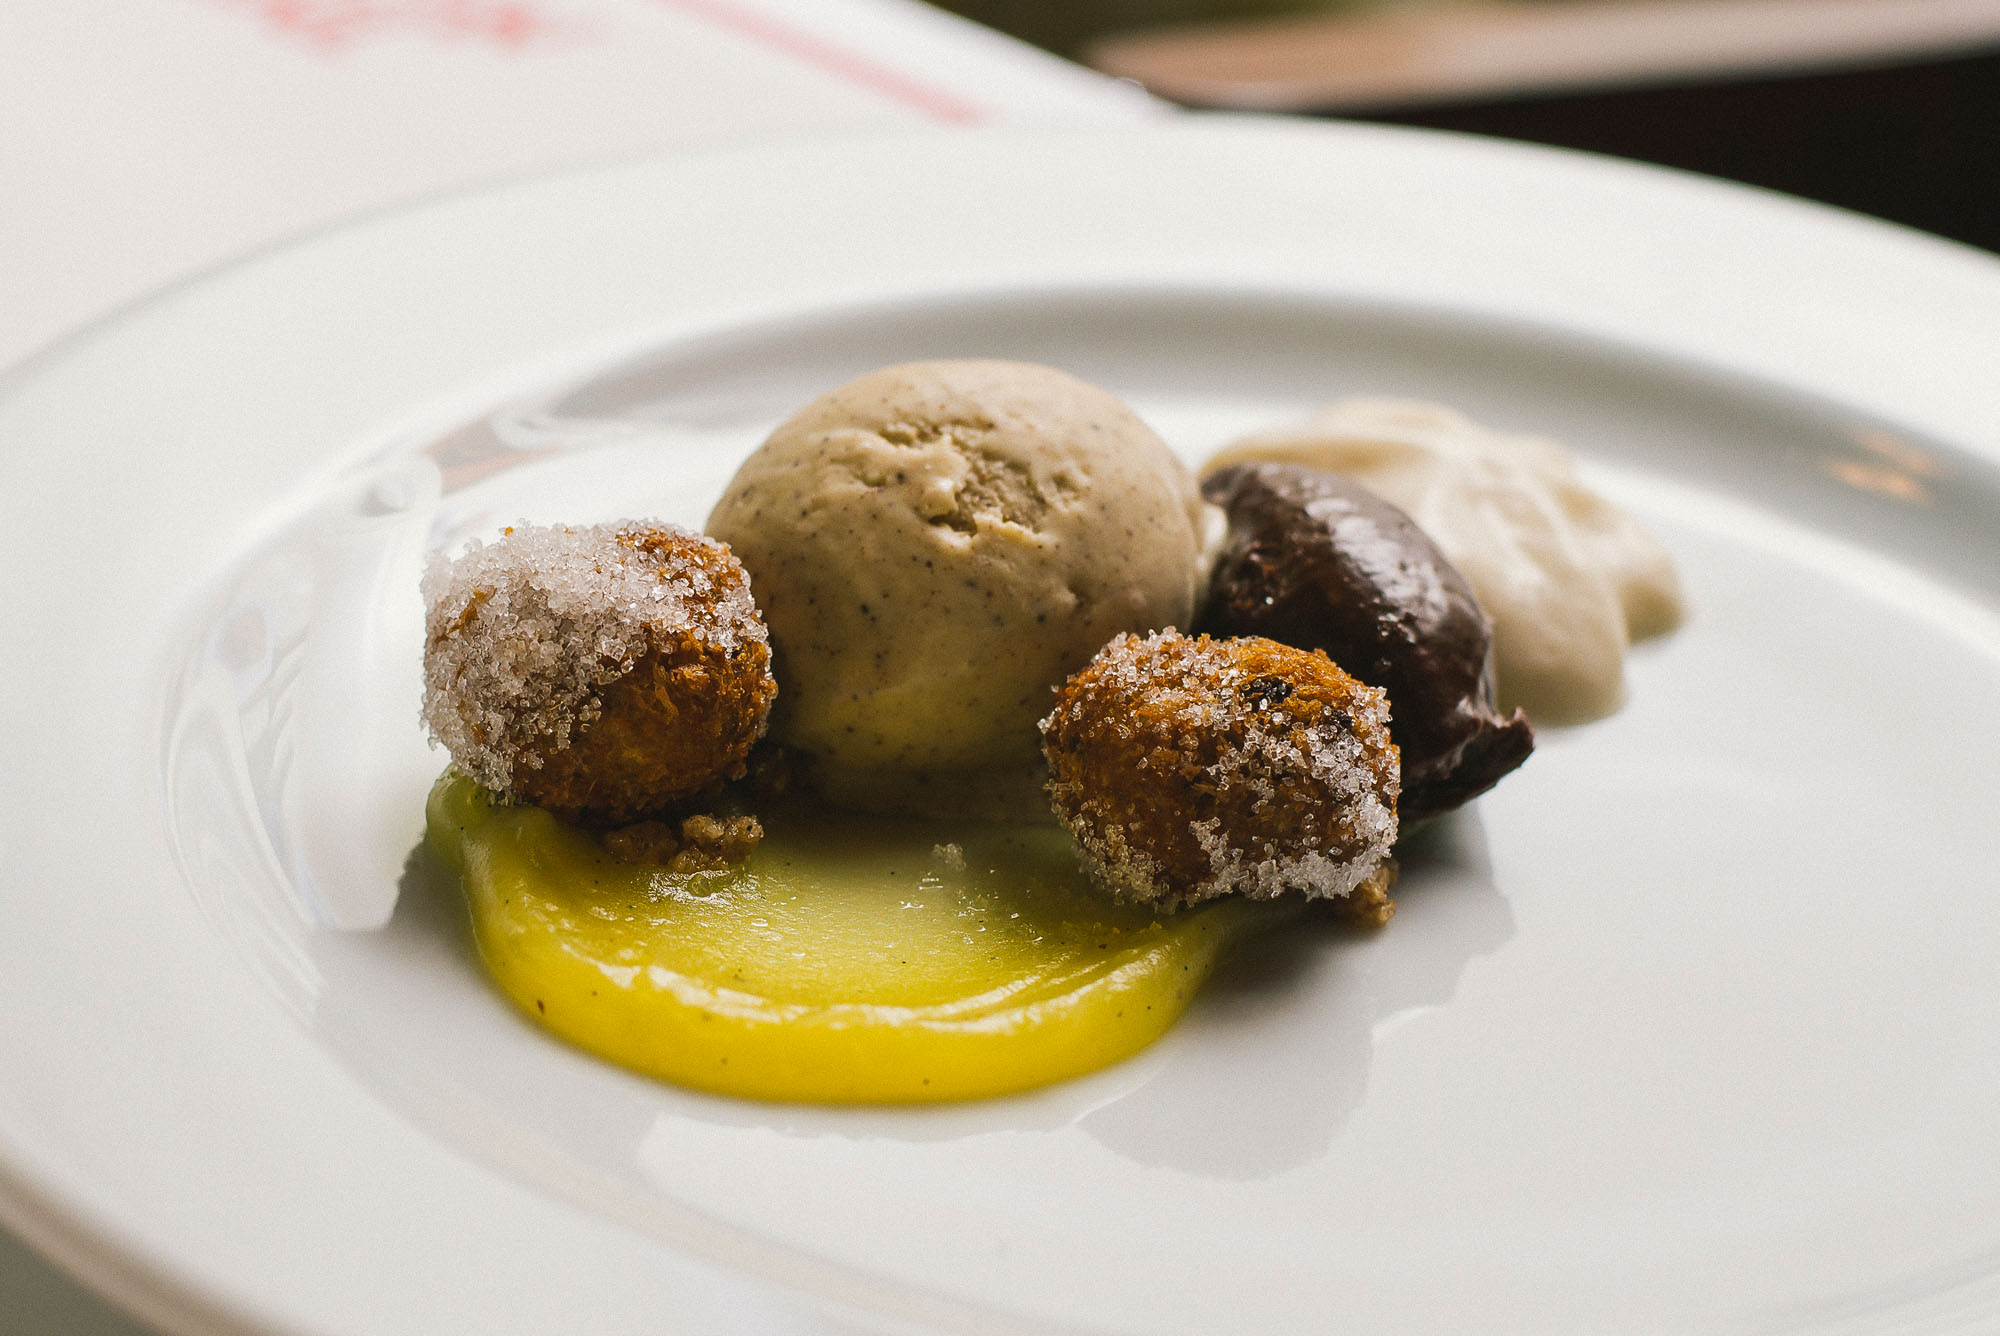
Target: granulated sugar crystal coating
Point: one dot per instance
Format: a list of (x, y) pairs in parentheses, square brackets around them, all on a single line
[(608, 671), (1188, 768)]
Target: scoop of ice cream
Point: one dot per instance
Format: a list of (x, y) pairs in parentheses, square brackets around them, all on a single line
[(935, 546), (1569, 580)]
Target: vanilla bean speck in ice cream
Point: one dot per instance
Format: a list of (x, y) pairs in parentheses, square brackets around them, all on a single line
[(935, 546)]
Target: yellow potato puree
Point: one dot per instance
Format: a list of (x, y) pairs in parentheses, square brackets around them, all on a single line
[(848, 960)]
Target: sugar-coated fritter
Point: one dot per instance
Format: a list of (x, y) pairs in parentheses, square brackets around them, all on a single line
[(1188, 767), (607, 673), (1316, 560)]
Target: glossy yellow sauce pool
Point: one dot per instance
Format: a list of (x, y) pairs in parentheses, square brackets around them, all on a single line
[(848, 960)]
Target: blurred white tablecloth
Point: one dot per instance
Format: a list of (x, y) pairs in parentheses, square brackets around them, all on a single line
[(141, 140), (144, 140)]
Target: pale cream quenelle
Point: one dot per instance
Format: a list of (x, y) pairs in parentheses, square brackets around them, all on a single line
[(1569, 580), (937, 545)]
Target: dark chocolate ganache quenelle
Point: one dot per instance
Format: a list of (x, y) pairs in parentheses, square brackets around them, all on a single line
[(1319, 562)]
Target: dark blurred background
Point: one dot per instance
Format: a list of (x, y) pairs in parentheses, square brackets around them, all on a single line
[(1916, 144), (1889, 107)]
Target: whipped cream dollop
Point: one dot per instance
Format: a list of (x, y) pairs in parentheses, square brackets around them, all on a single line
[(1569, 580)]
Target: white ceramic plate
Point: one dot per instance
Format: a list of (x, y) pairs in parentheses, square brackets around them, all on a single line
[(1687, 1026)]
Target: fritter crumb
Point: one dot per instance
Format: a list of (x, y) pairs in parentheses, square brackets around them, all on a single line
[(641, 842), (606, 672), (1369, 904), (1188, 768), (701, 842)]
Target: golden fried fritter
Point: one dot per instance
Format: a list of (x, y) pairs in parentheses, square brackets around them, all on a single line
[(1188, 768), (607, 673)]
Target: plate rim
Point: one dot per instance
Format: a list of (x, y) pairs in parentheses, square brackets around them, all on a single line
[(51, 1204)]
